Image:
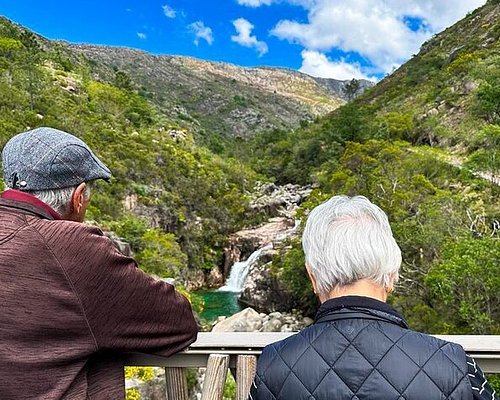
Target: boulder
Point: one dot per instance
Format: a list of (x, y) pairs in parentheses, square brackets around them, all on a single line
[(272, 325), (216, 277), (469, 86), (432, 112), (264, 292), (247, 320)]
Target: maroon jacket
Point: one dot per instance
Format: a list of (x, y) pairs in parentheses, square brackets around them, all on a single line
[(71, 304)]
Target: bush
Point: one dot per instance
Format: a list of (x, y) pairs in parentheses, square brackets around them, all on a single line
[(465, 284)]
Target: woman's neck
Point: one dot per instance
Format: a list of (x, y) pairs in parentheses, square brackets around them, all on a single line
[(363, 287)]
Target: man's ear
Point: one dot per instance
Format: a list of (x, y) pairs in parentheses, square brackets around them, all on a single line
[(78, 198)]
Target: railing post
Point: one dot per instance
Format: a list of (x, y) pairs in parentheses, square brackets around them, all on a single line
[(176, 384), (245, 372), (215, 377)]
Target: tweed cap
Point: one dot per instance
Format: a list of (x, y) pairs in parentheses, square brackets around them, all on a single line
[(47, 158)]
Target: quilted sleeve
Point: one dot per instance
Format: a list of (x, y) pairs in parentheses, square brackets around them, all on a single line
[(481, 389)]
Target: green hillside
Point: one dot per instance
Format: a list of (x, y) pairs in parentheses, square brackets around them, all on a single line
[(424, 144), (447, 96)]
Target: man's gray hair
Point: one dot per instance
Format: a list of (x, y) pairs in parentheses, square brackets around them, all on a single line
[(60, 199), (347, 239)]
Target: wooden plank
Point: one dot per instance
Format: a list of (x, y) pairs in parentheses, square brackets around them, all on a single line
[(485, 349), (176, 384), (245, 371), (474, 343), (253, 340), (215, 377), (489, 362), (228, 340)]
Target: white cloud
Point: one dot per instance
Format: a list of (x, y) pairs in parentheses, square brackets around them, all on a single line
[(254, 3), (374, 29), (318, 64), (439, 14), (168, 11), (142, 35), (244, 37), (201, 32)]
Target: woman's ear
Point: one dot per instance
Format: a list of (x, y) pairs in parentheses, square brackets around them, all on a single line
[(390, 287), (312, 279)]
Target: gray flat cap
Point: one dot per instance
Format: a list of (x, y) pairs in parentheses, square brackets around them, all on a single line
[(47, 158)]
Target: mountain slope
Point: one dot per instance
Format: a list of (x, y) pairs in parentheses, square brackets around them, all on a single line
[(215, 97), (401, 145), (440, 89), (447, 96)]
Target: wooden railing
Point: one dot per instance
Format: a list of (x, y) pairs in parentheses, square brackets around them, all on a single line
[(219, 352)]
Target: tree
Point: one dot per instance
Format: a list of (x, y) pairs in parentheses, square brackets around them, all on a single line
[(488, 101), (32, 57), (122, 80), (487, 158), (351, 89)]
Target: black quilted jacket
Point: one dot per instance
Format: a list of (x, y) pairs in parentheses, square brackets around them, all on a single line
[(360, 348)]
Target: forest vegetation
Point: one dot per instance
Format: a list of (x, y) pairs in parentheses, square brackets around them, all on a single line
[(423, 144)]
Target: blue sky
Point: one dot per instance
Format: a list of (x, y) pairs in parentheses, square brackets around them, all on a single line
[(338, 39)]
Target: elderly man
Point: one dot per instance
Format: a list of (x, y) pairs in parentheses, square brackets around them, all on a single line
[(72, 304), (360, 347)]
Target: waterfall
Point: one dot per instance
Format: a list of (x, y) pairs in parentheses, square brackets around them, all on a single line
[(239, 271)]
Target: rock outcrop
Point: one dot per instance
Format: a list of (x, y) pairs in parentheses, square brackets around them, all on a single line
[(281, 202), (264, 291), (247, 320), (250, 320), (245, 242)]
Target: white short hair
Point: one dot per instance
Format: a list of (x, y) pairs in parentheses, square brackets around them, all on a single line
[(347, 239), (59, 199)]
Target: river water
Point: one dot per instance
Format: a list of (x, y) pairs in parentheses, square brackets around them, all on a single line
[(224, 301)]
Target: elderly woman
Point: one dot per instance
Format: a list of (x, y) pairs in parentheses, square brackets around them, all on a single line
[(359, 347)]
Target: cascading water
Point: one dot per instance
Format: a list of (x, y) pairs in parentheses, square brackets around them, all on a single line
[(239, 271), (225, 301)]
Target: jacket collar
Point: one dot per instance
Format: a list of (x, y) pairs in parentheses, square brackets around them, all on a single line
[(27, 203), (361, 304)]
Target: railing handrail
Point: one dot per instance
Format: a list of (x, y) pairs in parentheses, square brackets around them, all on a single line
[(484, 348)]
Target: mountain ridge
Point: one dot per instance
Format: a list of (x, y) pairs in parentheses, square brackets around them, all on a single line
[(215, 97)]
